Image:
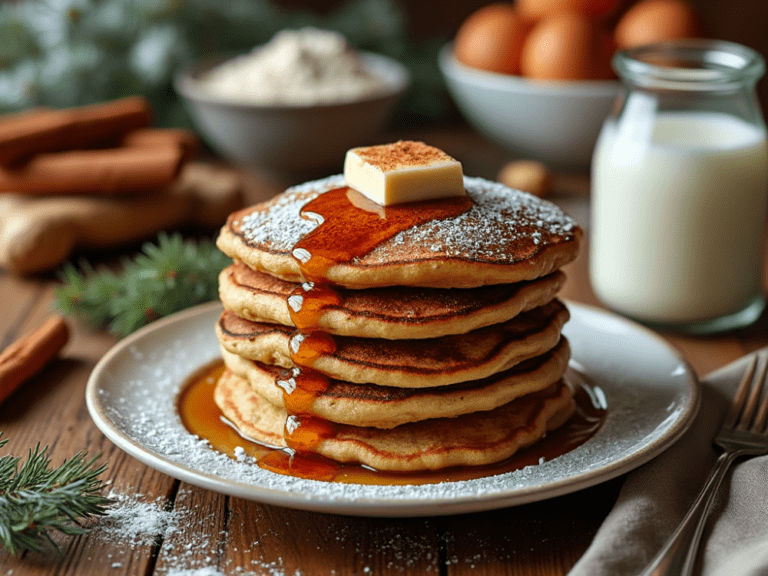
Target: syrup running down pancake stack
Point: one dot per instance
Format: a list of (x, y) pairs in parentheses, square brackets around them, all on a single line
[(409, 336)]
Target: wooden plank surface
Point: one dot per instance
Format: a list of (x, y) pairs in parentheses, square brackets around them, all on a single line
[(50, 409)]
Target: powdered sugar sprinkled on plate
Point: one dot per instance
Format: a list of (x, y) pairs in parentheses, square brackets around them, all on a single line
[(649, 390)]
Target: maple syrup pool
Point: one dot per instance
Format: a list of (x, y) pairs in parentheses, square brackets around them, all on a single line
[(202, 417)]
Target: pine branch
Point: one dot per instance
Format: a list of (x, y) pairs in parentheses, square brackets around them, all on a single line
[(36, 499), (164, 278)]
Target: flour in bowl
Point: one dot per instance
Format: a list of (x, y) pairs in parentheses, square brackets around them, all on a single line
[(297, 67)]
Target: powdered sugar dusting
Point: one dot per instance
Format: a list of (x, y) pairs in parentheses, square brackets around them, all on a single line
[(134, 403), (134, 522), (502, 223), (282, 226), (188, 547)]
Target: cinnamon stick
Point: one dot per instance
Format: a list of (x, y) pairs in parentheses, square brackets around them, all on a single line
[(46, 130), (185, 139), (105, 171), (30, 354)]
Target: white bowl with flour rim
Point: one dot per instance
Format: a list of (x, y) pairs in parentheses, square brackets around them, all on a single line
[(292, 137)]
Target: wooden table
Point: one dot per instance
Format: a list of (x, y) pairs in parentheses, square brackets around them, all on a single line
[(215, 532)]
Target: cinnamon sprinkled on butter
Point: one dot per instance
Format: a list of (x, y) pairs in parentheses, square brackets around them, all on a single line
[(401, 154), (402, 172)]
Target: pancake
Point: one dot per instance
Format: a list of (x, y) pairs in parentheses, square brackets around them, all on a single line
[(507, 236), (253, 416), (421, 363), (386, 407), (399, 312), (469, 440)]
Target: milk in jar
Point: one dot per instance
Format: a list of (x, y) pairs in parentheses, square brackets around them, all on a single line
[(679, 194), (678, 222)]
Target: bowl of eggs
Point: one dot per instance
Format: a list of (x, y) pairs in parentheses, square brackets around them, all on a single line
[(535, 75)]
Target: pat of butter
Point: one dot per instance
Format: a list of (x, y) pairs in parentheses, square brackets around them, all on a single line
[(403, 172)]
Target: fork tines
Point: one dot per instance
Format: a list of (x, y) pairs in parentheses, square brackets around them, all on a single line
[(747, 399)]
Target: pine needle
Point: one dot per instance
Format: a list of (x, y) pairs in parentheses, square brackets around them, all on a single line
[(164, 278), (36, 499)]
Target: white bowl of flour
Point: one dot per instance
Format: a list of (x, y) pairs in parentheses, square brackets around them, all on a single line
[(295, 104)]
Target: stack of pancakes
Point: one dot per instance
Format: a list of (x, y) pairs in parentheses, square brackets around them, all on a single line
[(439, 347)]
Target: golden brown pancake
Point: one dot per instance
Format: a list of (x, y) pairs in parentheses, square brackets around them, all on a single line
[(386, 407), (256, 418), (507, 236), (397, 312), (421, 363), (469, 440)]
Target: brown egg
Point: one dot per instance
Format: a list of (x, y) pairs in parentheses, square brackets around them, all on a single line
[(537, 9), (491, 39), (656, 20), (567, 47)]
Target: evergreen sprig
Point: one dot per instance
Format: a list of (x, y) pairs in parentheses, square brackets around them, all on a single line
[(36, 499), (164, 278)]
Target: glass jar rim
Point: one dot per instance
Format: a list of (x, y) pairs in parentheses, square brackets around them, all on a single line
[(690, 64)]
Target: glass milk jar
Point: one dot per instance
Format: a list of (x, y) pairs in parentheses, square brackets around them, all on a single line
[(679, 188)]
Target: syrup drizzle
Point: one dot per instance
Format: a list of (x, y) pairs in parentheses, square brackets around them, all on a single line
[(349, 226), (306, 348), (305, 433), (301, 388), (308, 301)]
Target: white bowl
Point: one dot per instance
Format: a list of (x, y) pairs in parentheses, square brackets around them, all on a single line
[(556, 122), (292, 138)]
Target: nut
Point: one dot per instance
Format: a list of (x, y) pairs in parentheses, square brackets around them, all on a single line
[(528, 176)]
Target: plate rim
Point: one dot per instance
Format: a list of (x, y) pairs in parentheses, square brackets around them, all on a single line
[(382, 507)]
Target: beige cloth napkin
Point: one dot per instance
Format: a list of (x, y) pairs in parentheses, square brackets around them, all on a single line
[(656, 496)]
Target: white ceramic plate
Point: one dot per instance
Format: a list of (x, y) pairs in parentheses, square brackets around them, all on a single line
[(650, 391)]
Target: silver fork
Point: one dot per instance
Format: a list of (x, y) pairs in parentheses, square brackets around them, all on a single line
[(743, 433)]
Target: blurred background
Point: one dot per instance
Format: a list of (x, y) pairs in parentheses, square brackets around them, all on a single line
[(70, 52)]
